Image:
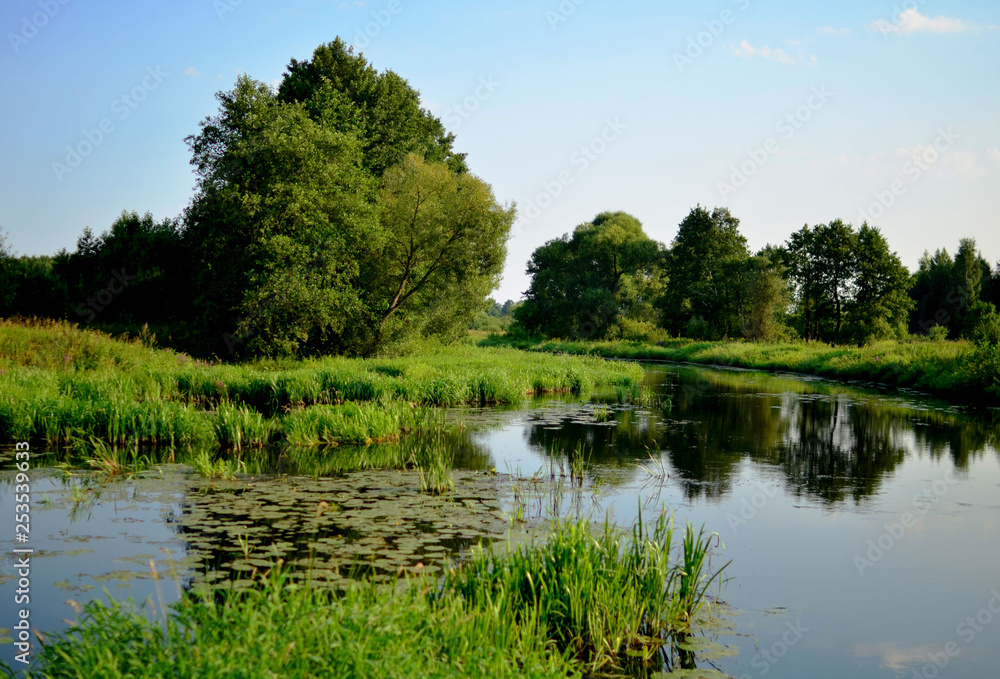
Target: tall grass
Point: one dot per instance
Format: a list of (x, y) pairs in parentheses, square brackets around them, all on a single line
[(238, 428), (601, 598), (357, 423), (950, 368), (61, 386), (434, 460), (579, 604)]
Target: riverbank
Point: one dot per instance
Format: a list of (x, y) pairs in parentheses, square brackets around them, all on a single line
[(63, 386), (952, 369)]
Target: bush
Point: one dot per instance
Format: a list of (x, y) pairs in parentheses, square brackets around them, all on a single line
[(937, 333)]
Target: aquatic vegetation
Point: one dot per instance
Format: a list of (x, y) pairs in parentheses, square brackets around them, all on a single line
[(238, 428), (114, 460), (578, 603), (434, 461), (211, 468), (605, 598), (358, 423)]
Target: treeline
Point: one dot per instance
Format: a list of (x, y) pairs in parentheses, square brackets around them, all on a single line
[(830, 282), (331, 215)]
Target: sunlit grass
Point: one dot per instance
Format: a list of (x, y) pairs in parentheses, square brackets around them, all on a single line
[(955, 368)]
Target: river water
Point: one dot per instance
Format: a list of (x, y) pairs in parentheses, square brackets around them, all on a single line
[(862, 526)]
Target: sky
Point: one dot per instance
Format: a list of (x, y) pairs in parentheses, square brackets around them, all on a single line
[(786, 113)]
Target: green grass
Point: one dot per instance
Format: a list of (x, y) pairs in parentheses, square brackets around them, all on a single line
[(948, 368), (60, 384), (578, 603), (350, 423)]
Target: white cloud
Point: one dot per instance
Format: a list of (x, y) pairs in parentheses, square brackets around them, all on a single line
[(994, 155), (828, 30), (748, 51), (967, 166), (893, 657), (912, 21), (192, 72)]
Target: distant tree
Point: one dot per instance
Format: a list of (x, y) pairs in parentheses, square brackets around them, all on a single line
[(767, 297), (31, 288), (7, 281), (880, 306), (588, 284), (145, 264), (946, 291), (935, 299), (835, 245), (703, 269), (803, 271)]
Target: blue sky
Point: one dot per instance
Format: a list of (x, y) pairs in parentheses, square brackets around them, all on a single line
[(787, 113)]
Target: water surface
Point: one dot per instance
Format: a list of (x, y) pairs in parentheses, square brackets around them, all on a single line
[(862, 525)]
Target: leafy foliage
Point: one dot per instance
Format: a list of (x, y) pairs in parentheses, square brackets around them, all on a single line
[(704, 265), (588, 284)]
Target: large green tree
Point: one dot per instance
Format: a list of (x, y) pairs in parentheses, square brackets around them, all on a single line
[(705, 266), (332, 215), (283, 209), (835, 246), (766, 296), (603, 281)]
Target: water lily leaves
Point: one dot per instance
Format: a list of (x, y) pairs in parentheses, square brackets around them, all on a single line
[(371, 522)]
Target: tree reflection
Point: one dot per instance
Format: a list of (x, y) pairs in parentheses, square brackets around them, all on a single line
[(832, 442)]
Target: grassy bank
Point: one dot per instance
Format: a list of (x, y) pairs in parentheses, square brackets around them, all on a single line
[(947, 368), (60, 385), (583, 601)]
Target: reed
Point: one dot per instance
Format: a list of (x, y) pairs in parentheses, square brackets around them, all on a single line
[(238, 428), (605, 599)]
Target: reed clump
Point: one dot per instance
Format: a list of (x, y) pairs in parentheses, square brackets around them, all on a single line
[(607, 599)]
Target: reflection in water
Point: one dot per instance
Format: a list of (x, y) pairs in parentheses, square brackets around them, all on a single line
[(832, 442)]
